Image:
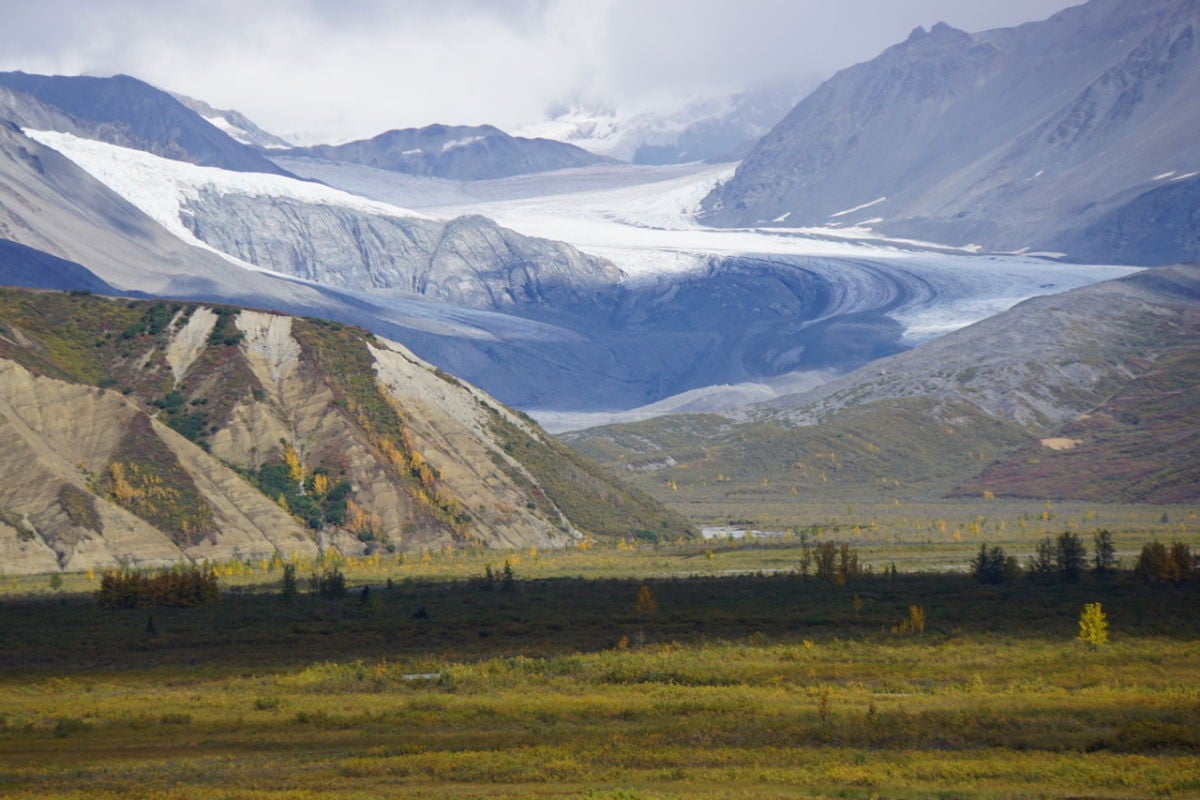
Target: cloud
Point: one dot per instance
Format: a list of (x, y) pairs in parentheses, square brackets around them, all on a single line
[(332, 70)]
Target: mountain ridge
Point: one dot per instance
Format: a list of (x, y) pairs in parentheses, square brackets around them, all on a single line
[(126, 111), (1011, 138), (459, 152)]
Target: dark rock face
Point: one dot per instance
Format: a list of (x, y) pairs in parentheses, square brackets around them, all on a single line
[(1008, 138), (1158, 227), (129, 112), (457, 152), (26, 267)]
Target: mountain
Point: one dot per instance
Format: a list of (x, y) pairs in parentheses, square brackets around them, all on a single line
[(458, 152), (539, 324), (50, 206), (1089, 394), (126, 111), (1011, 138), (235, 123), (74, 230), (320, 234), (716, 129), (148, 431)]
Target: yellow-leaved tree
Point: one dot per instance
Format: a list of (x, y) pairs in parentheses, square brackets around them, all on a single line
[(292, 459), (645, 604), (1093, 625)]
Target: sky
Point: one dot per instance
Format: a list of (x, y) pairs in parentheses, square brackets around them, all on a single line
[(335, 70)]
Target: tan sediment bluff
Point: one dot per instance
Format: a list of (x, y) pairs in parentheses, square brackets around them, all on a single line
[(442, 474)]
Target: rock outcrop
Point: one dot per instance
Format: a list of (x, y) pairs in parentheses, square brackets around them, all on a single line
[(468, 261)]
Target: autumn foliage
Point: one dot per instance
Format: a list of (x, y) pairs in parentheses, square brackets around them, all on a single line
[(130, 588)]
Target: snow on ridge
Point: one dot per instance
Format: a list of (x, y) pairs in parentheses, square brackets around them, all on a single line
[(229, 129), (874, 202), (161, 187), (455, 143)]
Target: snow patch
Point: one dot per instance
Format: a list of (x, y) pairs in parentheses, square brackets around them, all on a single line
[(229, 129), (456, 143), (1184, 177), (1163, 176), (874, 202)]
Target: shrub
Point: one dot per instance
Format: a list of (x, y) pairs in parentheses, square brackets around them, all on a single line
[(330, 584), (645, 605), (915, 623), (1159, 564), (69, 726), (836, 563), (80, 507), (288, 588), (129, 588)]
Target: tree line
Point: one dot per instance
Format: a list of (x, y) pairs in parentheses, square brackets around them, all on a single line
[(1066, 558)]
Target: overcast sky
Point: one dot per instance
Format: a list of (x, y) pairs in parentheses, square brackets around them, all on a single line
[(332, 70)]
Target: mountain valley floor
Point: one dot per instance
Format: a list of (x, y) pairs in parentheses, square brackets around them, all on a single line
[(640, 670)]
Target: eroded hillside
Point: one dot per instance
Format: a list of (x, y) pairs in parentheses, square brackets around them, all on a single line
[(147, 432)]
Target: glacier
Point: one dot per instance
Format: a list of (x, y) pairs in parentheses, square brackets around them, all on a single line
[(643, 310)]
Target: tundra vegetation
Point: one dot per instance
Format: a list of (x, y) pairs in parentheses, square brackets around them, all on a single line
[(641, 670)]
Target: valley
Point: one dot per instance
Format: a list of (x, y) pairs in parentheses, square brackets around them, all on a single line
[(556, 685), (612, 401), (641, 298)]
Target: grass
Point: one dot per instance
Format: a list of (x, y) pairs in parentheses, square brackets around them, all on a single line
[(743, 686)]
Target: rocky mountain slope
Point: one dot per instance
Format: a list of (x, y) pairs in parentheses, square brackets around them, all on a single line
[(458, 152), (469, 260), (149, 431), (125, 111), (1011, 138), (1089, 394)]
